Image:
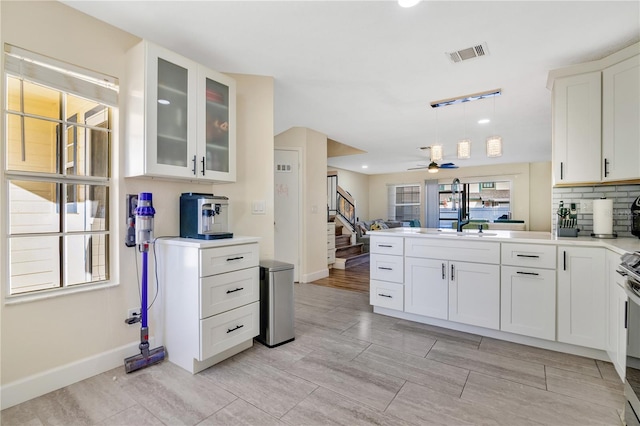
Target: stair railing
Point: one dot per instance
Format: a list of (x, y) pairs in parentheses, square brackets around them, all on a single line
[(346, 207)]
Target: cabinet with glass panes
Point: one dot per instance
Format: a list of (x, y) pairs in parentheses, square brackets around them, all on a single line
[(181, 118)]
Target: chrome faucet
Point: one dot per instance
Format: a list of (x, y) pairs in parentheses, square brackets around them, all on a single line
[(457, 196)]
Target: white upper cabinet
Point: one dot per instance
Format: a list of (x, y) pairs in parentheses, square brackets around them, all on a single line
[(576, 128), (621, 120), (180, 118)]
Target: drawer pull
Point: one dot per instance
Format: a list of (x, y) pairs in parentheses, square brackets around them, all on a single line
[(234, 329), (233, 291), (528, 273), (385, 245), (385, 268), (235, 258), (385, 295), (444, 271), (528, 255)]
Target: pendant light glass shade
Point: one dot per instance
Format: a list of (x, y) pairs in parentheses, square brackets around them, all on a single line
[(464, 149), (433, 168), (436, 152), (494, 146)]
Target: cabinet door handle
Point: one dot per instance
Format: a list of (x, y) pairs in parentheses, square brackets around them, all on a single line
[(527, 273), (528, 255), (564, 260), (444, 271), (236, 328), (194, 166), (561, 170), (606, 169), (385, 295), (233, 291), (626, 314), (385, 245), (453, 273), (203, 168), (623, 273), (235, 258), (385, 268)]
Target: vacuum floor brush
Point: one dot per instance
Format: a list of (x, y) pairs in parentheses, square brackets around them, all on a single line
[(144, 238)]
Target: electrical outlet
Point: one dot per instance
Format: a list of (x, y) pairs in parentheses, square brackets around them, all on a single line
[(133, 316), (586, 206)]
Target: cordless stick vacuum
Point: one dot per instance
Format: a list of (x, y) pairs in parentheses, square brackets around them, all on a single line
[(144, 238)]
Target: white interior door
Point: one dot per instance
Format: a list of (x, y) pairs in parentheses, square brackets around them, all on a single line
[(287, 208)]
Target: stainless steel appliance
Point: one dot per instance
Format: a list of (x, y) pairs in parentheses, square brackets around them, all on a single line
[(204, 216), (635, 217), (631, 267), (276, 303)]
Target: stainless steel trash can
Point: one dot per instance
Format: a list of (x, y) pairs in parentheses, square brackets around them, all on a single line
[(276, 303)]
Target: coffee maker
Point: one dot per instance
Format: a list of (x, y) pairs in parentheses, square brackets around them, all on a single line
[(204, 216), (635, 217)]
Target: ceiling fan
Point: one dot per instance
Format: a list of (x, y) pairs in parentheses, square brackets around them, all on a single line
[(433, 167)]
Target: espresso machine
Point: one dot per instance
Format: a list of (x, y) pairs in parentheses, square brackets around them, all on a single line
[(204, 216)]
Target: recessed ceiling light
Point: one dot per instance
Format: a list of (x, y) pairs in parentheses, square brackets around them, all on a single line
[(163, 102), (364, 166), (484, 121)]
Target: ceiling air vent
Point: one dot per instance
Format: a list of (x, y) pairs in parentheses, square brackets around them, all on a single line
[(468, 53)]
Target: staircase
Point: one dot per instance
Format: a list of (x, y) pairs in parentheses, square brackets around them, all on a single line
[(347, 254)]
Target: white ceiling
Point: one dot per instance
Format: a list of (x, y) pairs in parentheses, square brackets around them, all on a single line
[(365, 72)]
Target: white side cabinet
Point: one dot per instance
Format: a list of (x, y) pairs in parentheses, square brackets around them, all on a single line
[(582, 296), (331, 243), (577, 128), (616, 315), (211, 293), (621, 120), (181, 118), (528, 290), (386, 267)]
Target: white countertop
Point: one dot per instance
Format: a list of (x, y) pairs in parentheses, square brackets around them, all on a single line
[(620, 245), (193, 242)]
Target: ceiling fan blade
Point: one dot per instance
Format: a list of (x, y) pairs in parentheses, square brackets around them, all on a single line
[(418, 168), (448, 166)]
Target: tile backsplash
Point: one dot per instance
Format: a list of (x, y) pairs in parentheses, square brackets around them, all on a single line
[(622, 196)]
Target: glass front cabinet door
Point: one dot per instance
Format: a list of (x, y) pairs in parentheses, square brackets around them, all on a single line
[(181, 118)]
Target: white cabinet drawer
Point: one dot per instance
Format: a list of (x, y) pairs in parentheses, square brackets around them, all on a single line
[(386, 268), (331, 242), (331, 228), (386, 245), (459, 249), (386, 294), (220, 293), (223, 331), (218, 260), (331, 256), (529, 255)]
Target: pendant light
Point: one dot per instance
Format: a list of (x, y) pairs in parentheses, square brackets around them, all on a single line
[(494, 143), (464, 145)]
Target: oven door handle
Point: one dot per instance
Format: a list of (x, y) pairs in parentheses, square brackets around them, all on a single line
[(623, 273)]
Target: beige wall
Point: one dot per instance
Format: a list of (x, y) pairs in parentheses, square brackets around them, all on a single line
[(357, 184), (524, 206), (313, 264), (41, 336)]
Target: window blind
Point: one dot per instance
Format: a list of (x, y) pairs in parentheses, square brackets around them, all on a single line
[(60, 75)]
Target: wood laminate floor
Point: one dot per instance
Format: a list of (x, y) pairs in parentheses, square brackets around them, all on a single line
[(348, 366), (355, 278)]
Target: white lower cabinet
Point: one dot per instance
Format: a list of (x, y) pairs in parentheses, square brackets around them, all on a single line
[(426, 289), (212, 299), (582, 296), (474, 294), (528, 301), (386, 294), (616, 315)]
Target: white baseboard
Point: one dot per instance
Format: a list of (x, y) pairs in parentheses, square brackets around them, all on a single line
[(307, 278), (340, 263), (47, 381)]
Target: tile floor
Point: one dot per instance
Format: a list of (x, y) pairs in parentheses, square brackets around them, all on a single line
[(348, 366)]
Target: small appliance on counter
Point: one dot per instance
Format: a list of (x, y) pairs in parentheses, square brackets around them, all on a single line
[(635, 217), (567, 221), (204, 216)]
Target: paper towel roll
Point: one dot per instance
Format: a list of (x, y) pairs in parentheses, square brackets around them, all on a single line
[(603, 217)]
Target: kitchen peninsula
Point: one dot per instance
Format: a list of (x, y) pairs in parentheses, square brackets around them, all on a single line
[(526, 287)]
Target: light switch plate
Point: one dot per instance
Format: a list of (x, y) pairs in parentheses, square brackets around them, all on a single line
[(258, 207)]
